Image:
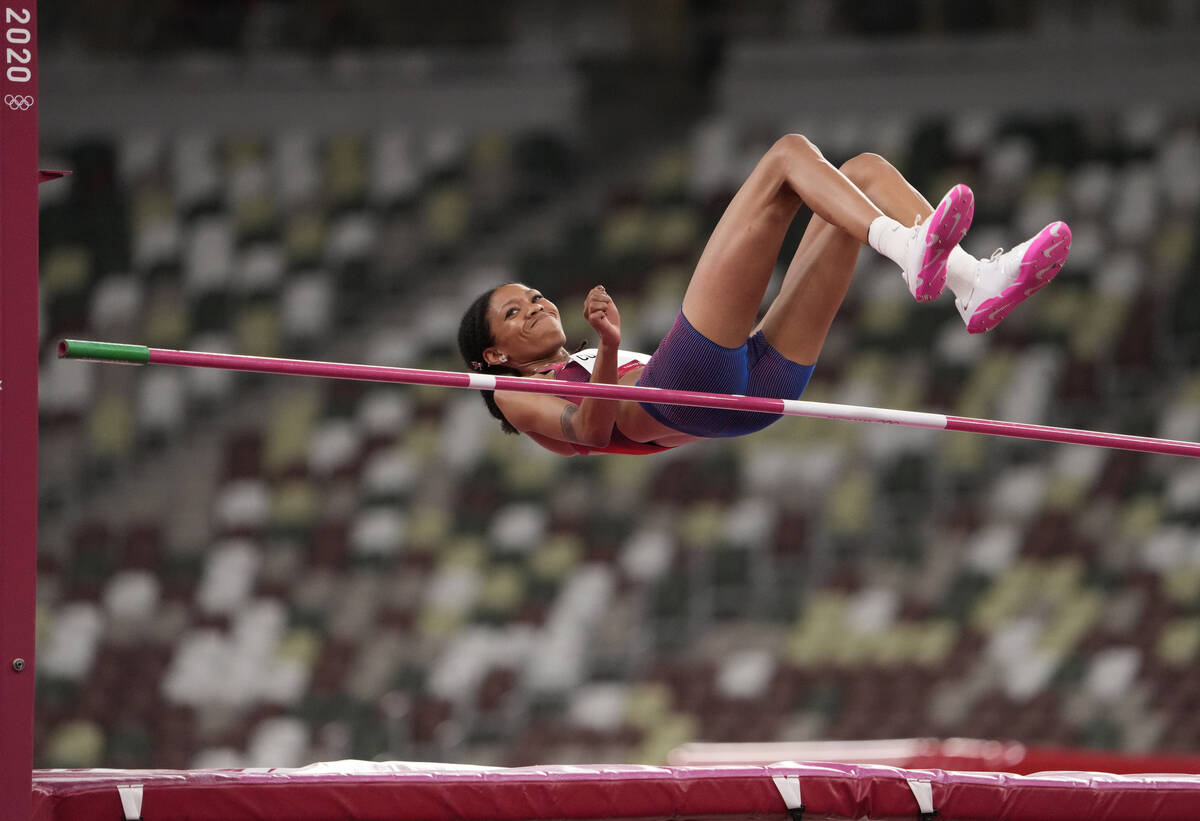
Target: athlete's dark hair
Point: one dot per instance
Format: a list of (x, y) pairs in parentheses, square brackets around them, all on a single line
[(475, 337)]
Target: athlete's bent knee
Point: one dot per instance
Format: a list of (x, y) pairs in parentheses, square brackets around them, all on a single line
[(782, 167), (795, 147), (866, 170)]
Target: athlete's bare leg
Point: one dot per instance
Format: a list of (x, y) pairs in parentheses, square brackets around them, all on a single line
[(799, 318), (729, 282), (731, 278)]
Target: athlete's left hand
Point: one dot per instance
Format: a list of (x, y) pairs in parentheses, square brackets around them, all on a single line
[(601, 313)]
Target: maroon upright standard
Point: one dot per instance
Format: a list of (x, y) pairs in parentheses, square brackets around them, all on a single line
[(18, 403)]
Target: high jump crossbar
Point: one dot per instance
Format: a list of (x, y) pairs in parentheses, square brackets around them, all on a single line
[(143, 355)]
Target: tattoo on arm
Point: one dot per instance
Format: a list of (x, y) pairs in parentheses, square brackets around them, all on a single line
[(568, 425)]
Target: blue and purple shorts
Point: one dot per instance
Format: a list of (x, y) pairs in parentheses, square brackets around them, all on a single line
[(686, 360)]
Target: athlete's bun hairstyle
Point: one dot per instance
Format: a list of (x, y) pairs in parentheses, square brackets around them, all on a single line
[(475, 337)]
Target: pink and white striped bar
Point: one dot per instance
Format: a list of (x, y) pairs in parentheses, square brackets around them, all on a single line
[(141, 355)]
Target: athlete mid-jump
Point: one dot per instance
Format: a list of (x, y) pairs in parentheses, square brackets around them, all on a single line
[(718, 344)]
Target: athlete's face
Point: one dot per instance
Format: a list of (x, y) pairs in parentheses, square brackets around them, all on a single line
[(525, 325)]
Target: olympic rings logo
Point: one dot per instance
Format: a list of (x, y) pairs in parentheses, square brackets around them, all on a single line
[(18, 102)]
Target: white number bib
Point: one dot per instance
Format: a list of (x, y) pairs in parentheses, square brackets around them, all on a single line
[(587, 358)]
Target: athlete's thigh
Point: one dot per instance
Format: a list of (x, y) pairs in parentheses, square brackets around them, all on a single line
[(729, 282), (799, 318)]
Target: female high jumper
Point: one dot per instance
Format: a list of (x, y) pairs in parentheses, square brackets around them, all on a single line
[(717, 344)]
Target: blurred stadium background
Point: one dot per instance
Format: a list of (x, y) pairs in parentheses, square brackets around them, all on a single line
[(252, 571)]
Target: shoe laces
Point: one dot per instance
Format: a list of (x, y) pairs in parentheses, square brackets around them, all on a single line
[(999, 252)]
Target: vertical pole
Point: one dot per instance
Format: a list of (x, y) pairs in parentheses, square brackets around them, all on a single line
[(18, 401)]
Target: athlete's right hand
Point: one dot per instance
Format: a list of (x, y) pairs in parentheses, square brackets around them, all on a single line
[(601, 313)]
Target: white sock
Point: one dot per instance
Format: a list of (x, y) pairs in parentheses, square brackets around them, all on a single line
[(890, 238), (960, 272)]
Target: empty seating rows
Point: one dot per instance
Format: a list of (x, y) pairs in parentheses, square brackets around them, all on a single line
[(383, 573)]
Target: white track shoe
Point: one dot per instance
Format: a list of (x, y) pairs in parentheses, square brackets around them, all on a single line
[(1008, 279), (929, 251)]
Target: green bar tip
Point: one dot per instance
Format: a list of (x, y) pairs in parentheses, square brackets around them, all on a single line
[(103, 352)]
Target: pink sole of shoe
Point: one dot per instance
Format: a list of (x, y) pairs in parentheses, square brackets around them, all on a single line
[(1043, 260), (947, 226)]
